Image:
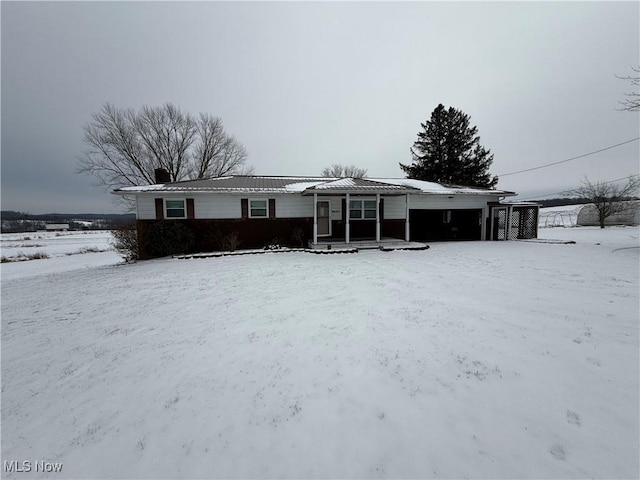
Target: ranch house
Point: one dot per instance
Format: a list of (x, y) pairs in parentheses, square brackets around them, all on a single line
[(316, 211)]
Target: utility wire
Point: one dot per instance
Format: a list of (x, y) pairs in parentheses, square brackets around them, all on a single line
[(569, 159), (568, 192)]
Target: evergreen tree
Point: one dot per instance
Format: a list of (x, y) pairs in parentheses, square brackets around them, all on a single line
[(448, 151)]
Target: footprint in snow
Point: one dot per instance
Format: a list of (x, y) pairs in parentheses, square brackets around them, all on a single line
[(557, 451), (573, 418), (594, 361)]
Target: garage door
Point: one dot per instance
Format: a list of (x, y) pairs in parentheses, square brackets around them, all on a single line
[(433, 225)]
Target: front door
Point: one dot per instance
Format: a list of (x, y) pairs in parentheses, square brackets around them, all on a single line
[(324, 217)]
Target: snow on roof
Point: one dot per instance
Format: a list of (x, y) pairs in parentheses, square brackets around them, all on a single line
[(355, 184), (268, 184), (233, 184), (300, 187), (437, 188), (140, 188)]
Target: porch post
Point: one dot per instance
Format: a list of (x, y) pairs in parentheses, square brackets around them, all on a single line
[(508, 225), (315, 218), (492, 214), (377, 217), (406, 218), (347, 226), (483, 224)]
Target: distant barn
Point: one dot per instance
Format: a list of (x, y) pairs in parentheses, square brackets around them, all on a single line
[(588, 215), (57, 227)]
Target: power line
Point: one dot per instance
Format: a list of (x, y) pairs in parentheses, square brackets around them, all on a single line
[(569, 159), (567, 192)]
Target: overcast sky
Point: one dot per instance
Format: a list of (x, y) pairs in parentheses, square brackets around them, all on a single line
[(305, 85)]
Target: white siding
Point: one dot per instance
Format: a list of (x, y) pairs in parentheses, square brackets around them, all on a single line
[(443, 202), (146, 208), (295, 206), (218, 206), (205, 206), (229, 206), (221, 206), (336, 206), (395, 208)]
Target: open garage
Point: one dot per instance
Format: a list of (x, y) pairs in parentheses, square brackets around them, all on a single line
[(455, 224)]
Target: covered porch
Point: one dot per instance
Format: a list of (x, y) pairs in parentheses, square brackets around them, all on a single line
[(348, 211)]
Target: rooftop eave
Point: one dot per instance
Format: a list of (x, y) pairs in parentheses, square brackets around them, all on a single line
[(156, 189), (356, 191), (191, 190)]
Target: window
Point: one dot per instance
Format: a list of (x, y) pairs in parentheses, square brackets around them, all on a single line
[(369, 207), (258, 209), (355, 209), (362, 209), (175, 209), (446, 216)]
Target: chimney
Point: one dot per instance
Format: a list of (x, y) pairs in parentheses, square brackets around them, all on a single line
[(162, 176)]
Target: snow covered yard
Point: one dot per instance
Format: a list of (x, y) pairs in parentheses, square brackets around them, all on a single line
[(474, 359), (38, 253)]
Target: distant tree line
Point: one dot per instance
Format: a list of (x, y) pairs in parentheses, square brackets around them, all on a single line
[(15, 222), (556, 202)]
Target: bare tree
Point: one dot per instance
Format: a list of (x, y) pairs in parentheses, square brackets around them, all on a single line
[(608, 198), (124, 147), (632, 102), (167, 135), (342, 171), (115, 154), (217, 154)]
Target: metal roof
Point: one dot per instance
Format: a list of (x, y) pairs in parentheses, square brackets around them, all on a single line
[(308, 185), (360, 185)]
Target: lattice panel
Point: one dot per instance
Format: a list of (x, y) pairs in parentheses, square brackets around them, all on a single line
[(502, 224), (528, 222), (514, 225)]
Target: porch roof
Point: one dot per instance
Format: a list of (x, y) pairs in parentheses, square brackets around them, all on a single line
[(358, 185)]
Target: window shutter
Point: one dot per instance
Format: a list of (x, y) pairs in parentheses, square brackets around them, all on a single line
[(381, 214), (244, 205), (272, 208), (191, 210), (344, 209), (159, 209)]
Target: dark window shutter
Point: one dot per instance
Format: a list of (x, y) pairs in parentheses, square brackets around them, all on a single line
[(159, 209), (191, 209), (381, 214), (344, 209), (272, 208), (244, 204)]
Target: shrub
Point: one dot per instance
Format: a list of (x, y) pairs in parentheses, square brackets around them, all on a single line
[(298, 236), (125, 241), (169, 238), (229, 241), (274, 244), (23, 258)]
